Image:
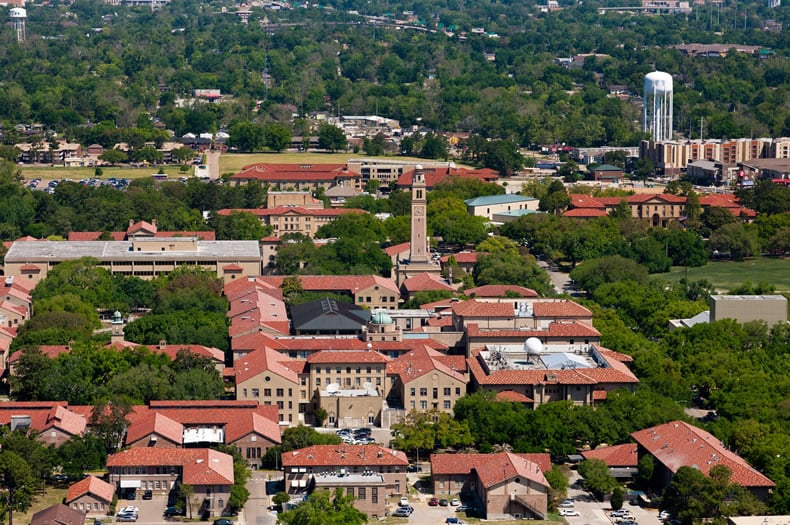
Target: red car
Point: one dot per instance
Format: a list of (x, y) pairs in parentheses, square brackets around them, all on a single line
[(433, 502)]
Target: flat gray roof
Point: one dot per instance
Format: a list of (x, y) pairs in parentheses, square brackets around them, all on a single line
[(30, 251)]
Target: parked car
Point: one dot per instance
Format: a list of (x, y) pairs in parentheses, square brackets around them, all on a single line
[(403, 512), (566, 503), (569, 512), (455, 502), (414, 468), (148, 494), (223, 521), (126, 517), (453, 521), (465, 508), (131, 495), (621, 513), (404, 501), (171, 511), (664, 515), (433, 502), (443, 502)]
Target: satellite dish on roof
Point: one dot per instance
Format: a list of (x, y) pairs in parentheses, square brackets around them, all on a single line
[(533, 346), (332, 388)]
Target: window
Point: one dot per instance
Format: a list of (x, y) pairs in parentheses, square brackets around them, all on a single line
[(367, 299), (374, 494), (361, 493), (413, 391), (280, 405), (367, 370), (458, 391), (290, 392), (317, 381), (348, 381), (348, 369), (423, 405), (244, 391), (332, 420), (350, 491), (371, 419), (303, 381), (423, 391), (447, 391), (359, 370), (411, 404), (447, 404), (280, 392), (338, 369), (436, 393), (267, 392)]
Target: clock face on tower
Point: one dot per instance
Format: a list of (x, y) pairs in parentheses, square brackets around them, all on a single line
[(418, 211)]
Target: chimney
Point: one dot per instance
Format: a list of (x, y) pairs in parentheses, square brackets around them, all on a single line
[(131, 222), (153, 223), (162, 344)]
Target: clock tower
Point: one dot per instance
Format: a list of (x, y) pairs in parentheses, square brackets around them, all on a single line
[(418, 252)]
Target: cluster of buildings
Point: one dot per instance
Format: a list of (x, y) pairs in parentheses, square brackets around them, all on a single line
[(732, 160)]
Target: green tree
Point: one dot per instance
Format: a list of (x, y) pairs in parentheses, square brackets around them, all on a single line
[(593, 273), (616, 499), (239, 225), (739, 240), (597, 478), (556, 198), (558, 483), (644, 169), (276, 137), (375, 146), (322, 508), (17, 479), (186, 492), (503, 156), (331, 137), (246, 136), (113, 156), (428, 431)]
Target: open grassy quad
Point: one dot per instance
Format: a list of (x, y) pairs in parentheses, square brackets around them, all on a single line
[(726, 275), (40, 502), (127, 172)]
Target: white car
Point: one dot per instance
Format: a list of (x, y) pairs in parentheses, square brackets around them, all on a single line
[(455, 502), (664, 515), (566, 503), (569, 512), (404, 502)]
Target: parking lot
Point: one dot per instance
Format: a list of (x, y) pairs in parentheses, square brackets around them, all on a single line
[(593, 512)]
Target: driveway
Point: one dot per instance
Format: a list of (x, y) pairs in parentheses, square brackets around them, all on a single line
[(597, 513)]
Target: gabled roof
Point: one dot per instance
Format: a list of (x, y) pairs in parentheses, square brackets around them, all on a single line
[(58, 514), (492, 200), (727, 201), (90, 485), (580, 200), (260, 361), (511, 396), (293, 210), (255, 423), (201, 466), (423, 360), (615, 456), (606, 167), (155, 423), (677, 444), (344, 456), (507, 465), (426, 282), (434, 176), (448, 464), (329, 315), (500, 290)]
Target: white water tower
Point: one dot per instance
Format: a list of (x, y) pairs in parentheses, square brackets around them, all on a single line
[(657, 106), (18, 17)]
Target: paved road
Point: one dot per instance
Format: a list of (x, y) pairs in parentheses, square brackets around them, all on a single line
[(212, 161), (561, 280), (597, 513), (256, 511)]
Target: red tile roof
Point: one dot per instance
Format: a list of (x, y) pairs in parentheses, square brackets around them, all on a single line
[(122, 236), (612, 373), (342, 283), (426, 282), (434, 176), (449, 464), (51, 351), (474, 308), (255, 423), (461, 258), (560, 309), (155, 423), (580, 200), (58, 514), (90, 485), (423, 360), (346, 356), (293, 172), (396, 249), (293, 210), (201, 466), (29, 268), (44, 416), (511, 396), (615, 456), (677, 444), (555, 329), (344, 456), (264, 360), (584, 213), (727, 201), (500, 290), (507, 466)]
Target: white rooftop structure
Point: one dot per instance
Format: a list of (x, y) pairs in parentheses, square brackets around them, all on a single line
[(203, 435)]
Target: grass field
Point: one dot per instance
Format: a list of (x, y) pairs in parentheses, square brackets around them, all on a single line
[(41, 502), (726, 275)]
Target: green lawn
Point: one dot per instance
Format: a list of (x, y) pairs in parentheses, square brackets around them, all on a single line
[(725, 275)]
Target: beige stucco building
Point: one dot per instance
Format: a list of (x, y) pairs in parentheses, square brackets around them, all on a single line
[(743, 308), (141, 257)]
